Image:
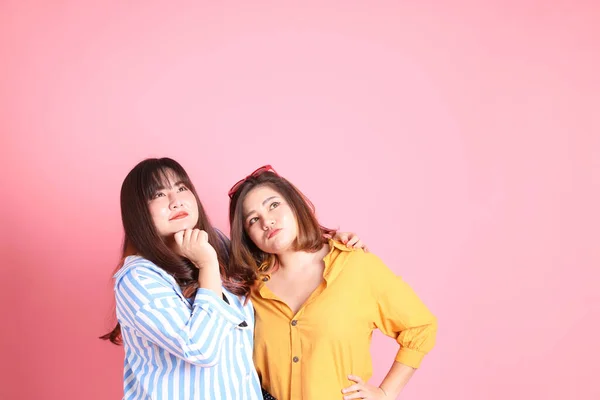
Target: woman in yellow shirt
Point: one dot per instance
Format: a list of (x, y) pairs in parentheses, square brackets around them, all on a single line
[(317, 302)]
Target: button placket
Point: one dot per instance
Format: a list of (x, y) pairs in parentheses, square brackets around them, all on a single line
[(296, 355)]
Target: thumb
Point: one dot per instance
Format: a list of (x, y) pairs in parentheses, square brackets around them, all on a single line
[(202, 236), (179, 238)]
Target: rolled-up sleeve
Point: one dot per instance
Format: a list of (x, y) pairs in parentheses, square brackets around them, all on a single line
[(401, 314)]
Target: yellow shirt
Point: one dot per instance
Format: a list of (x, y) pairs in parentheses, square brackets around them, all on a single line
[(309, 355)]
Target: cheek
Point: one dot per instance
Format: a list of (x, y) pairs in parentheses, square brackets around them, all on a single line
[(158, 210), (289, 218), (190, 199), (253, 233)]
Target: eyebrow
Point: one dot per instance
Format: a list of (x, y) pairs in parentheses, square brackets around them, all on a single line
[(263, 203)]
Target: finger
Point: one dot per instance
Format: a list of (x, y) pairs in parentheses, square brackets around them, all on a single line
[(352, 240), (358, 244), (355, 378), (355, 395), (187, 236), (343, 238), (366, 249), (353, 388), (327, 235), (195, 235), (179, 238), (202, 236)]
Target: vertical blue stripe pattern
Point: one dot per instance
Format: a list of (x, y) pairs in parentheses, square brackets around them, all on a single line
[(177, 348)]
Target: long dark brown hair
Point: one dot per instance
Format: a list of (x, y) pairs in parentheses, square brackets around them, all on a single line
[(244, 253), (142, 238)]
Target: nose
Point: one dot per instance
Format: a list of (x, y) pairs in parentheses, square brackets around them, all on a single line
[(175, 202), (268, 223)]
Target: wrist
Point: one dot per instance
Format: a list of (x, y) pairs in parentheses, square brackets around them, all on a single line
[(206, 264), (384, 392)]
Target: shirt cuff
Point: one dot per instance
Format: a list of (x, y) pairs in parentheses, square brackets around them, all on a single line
[(409, 357)]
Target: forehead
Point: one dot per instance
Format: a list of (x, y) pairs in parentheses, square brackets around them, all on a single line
[(257, 196), (166, 178)]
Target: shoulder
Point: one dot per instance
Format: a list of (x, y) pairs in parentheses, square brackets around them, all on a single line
[(368, 265), (365, 267), (370, 260), (341, 254), (142, 271)]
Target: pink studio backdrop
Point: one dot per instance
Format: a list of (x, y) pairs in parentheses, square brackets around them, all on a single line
[(460, 139)]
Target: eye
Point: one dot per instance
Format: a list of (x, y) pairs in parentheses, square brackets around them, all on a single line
[(182, 188), (157, 195), (252, 220), (274, 204)]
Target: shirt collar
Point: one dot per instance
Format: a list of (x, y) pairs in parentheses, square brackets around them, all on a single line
[(330, 272)]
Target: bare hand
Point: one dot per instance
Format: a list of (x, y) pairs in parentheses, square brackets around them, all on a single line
[(193, 244), (351, 240), (362, 390)]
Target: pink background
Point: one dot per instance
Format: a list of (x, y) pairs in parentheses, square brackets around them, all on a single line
[(460, 140)]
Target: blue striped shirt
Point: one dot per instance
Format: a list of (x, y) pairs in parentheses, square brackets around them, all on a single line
[(177, 348)]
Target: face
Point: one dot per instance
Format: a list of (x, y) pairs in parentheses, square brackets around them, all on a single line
[(269, 221), (173, 208)]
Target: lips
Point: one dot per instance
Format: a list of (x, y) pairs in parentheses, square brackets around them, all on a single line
[(179, 215), (273, 233)]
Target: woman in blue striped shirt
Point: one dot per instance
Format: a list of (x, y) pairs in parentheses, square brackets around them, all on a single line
[(184, 318)]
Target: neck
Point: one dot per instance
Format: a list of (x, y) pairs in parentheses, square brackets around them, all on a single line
[(170, 242), (296, 260)]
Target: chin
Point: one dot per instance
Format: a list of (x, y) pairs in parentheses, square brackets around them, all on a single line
[(183, 226), (281, 247)]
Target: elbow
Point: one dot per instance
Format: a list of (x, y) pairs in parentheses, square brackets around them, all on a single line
[(430, 334), (421, 338), (433, 325), (204, 359), (416, 343)]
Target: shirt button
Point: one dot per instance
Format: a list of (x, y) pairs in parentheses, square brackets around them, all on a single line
[(295, 359), (294, 322)]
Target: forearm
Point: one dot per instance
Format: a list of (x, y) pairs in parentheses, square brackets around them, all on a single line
[(209, 277), (150, 304), (395, 380)]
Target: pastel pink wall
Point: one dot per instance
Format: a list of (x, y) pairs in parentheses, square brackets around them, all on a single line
[(460, 139)]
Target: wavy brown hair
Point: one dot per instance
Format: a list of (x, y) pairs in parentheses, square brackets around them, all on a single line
[(142, 238), (244, 253)]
